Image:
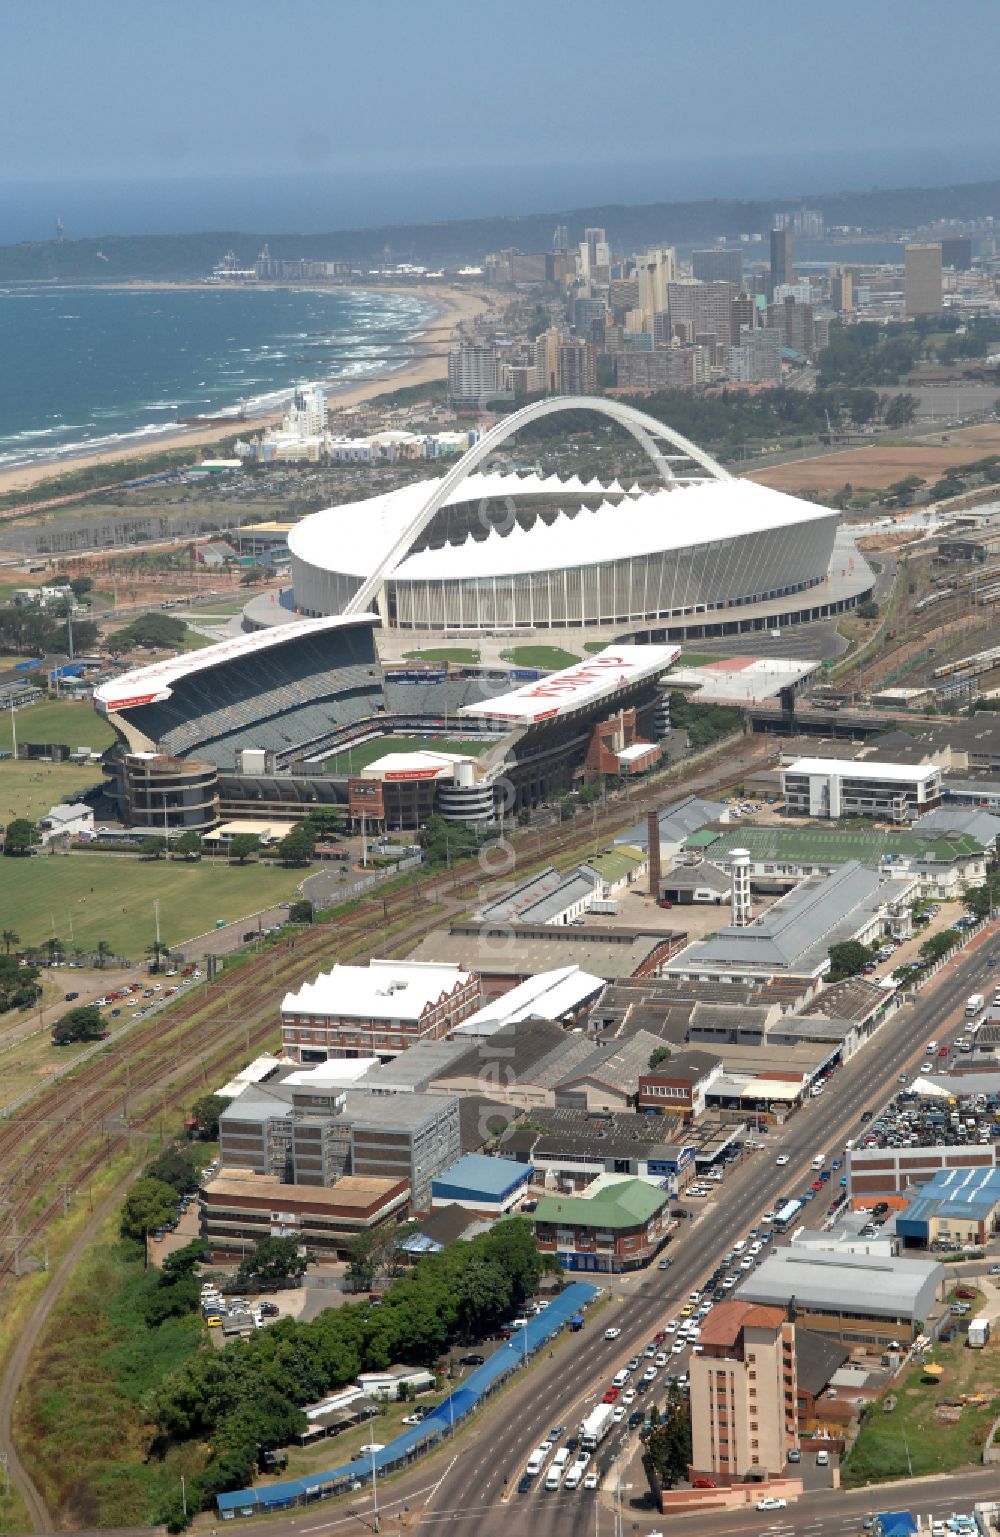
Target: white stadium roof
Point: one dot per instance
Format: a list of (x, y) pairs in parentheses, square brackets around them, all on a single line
[(701, 512), (144, 685), (560, 693)]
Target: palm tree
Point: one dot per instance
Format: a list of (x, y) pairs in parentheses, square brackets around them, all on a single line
[(10, 939), (103, 951), (55, 949)]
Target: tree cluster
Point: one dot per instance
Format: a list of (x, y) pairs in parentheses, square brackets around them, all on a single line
[(847, 959), (20, 837), (247, 1399), (32, 630), (668, 1450), (273, 1261), (19, 987), (85, 1023), (154, 632), (704, 723)]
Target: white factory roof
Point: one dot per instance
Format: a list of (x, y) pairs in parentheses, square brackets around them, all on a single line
[(844, 769), (559, 693), (143, 685), (381, 990), (704, 512), (549, 995), (334, 1073), (255, 1072)]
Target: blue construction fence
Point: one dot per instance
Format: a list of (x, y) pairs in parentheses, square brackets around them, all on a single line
[(412, 1443)]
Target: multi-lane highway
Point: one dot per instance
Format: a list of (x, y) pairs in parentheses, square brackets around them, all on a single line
[(475, 1484)]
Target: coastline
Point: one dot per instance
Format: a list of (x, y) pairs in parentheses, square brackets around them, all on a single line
[(453, 306)]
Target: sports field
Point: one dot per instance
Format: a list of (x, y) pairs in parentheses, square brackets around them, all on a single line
[(83, 898), (354, 759), (28, 789), (73, 721), (462, 656), (548, 657)]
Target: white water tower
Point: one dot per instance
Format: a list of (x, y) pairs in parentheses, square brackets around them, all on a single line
[(739, 869)]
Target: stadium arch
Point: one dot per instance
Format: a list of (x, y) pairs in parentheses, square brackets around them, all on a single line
[(647, 431)]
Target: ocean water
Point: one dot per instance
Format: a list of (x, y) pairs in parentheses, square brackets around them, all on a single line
[(84, 369)]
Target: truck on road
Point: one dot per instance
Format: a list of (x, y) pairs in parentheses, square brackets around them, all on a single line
[(596, 1426), (974, 1005)]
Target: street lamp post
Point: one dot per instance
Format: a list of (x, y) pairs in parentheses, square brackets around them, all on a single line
[(374, 1490)]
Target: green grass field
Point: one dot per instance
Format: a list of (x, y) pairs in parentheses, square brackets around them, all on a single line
[(549, 657), (356, 758), (83, 898), (910, 1440), (29, 789), (74, 722), (460, 655)]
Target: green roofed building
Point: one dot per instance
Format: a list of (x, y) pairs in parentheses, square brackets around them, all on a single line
[(618, 1223), (945, 863)]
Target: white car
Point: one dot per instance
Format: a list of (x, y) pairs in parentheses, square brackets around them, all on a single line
[(781, 1160), (628, 1397), (671, 1327), (592, 1481), (649, 1375), (371, 1447), (611, 1334), (677, 1348), (618, 1414), (770, 1503)]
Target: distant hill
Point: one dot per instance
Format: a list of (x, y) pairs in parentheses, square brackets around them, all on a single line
[(193, 256)]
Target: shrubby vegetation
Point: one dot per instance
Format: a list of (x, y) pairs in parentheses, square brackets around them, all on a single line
[(704, 723), (247, 1399)]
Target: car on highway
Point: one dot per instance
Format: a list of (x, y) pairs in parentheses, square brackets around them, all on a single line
[(592, 1481), (664, 1264), (635, 1362), (612, 1333), (628, 1397), (619, 1413), (770, 1503)]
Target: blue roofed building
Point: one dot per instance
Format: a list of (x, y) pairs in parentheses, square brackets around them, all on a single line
[(958, 1206), (490, 1186)]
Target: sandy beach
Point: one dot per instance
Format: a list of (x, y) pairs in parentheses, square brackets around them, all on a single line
[(453, 306)]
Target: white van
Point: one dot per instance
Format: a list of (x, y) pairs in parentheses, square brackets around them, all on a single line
[(818, 1161), (620, 1378), (822, 1459), (553, 1477), (931, 1048), (536, 1462), (573, 1477), (561, 1458)]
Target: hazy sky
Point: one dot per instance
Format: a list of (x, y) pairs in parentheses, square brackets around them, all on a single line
[(113, 89)]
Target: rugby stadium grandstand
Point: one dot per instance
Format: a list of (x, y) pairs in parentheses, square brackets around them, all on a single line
[(249, 726), (699, 553)]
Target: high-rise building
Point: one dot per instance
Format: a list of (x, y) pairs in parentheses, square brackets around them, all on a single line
[(782, 262), (794, 323), (474, 375), (656, 271), (957, 253), (720, 264), (577, 368), (744, 1414), (743, 312), (756, 359), (922, 289), (547, 360), (842, 290), (707, 306), (594, 251)]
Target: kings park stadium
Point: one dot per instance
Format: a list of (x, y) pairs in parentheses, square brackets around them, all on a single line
[(283, 717)]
